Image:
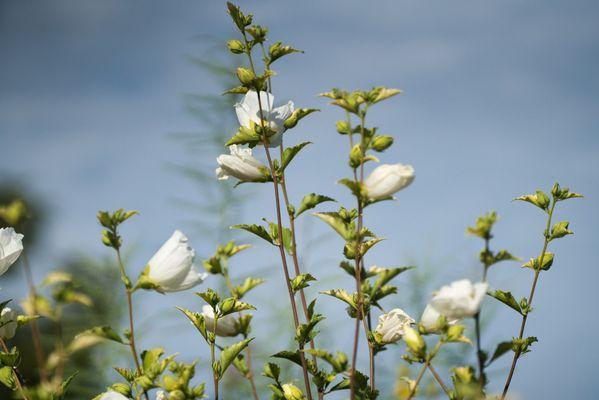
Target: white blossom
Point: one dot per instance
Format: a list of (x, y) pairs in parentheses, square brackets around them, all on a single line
[(387, 179), (11, 246), (112, 395), (391, 326), (171, 268), (430, 319), (240, 164), (225, 326), (249, 111), (8, 323), (460, 299)]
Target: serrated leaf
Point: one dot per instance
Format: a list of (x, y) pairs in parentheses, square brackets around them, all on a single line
[(240, 290), (534, 263), (289, 154), (196, 319), (506, 298), (310, 201), (228, 354), (257, 230), (342, 295), (104, 332), (245, 136), (305, 332), (500, 350), (337, 223), (301, 281)]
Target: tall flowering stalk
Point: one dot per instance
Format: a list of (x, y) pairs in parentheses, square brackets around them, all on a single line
[(380, 185)]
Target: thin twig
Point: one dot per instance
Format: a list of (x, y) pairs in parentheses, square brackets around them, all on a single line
[(280, 229), (15, 372), (529, 303)]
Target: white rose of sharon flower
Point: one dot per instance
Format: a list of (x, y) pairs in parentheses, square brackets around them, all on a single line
[(171, 268), (8, 323), (11, 246), (112, 395), (249, 111), (430, 319), (240, 164), (460, 299), (391, 326), (387, 179), (225, 326)]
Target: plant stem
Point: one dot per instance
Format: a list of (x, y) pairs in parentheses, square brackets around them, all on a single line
[(425, 365), (530, 298), (35, 331), (439, 380), (15, 372), (479, 351), (213, 358), (280, 228), (295, 258), (358, 276), (129, 293), (248, 351)]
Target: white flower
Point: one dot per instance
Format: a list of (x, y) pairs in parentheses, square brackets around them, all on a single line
[(11, 246), (8, 323), (111, 395), (249, 110), (460, 299), (225, 326), (392, 325), (239, 164), (171, 268), (430, 319), (387, 179)]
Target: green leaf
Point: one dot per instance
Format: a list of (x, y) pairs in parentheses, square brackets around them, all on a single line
[(245, 136), (334, 220), (310, 201), (350, 248), (289, 154), (560, 194), (342, 295), (354, 186), (305, 332), (301, 281), (257, 230), (535, 263), (240, 290), (506, 298), (539, 199), (294, 357), (232, 305), (272, 371), (10, 358), (228, 354), (297, 115), (385, 275), (196, 319), (500, 350), (338, 362), (559, 230), (104, 332), (381, 93), (278, 50)]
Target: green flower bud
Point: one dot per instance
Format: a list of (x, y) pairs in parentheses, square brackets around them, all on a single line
[(235, 46), (343, 127), (381, 142), (176, 395), (145, 382), (414, 341), (355, 156), (122, 388), (292, 392), (226, 306), (246, 76)]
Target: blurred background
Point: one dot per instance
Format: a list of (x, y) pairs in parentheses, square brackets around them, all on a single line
[(117, 104)]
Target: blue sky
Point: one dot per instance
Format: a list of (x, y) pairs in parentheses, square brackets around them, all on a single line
[(500, 98)]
